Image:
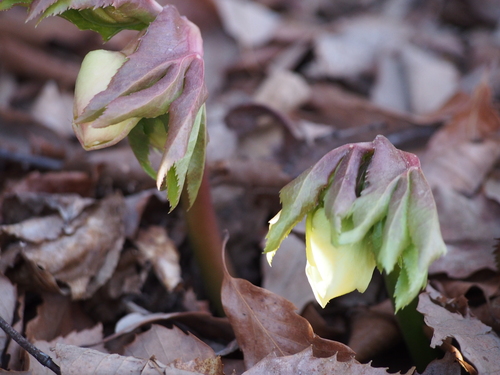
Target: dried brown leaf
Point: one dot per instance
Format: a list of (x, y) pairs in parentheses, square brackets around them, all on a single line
[(287, 277), (55, 182), (208, 366), (478, 343), (84, 257), (7, 306), (305, 362), (448, 365), (266, 323), (57, 317), (250, 23), (461, 154), (168, 345), (79, 361), (373, 331), (84, 337), (155, 245), (203, 323)]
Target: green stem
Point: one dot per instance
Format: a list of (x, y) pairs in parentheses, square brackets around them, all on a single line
[(411, 323), (206, 242)]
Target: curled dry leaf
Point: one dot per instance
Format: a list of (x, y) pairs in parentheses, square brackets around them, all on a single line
[(155, 245), (84, 256), (478, 343), (305, 362), (266, 323)]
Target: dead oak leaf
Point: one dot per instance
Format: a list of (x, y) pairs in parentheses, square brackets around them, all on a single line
[(266, 323), (305, 363), (478, 343)]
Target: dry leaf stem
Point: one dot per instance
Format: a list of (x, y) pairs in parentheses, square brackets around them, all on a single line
[(206, 242), (40, 356), (411, 323)]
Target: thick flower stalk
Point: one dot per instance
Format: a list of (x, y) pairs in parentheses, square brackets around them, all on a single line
[(367, 205)]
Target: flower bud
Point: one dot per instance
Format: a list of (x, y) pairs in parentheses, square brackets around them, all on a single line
[(367, 205), (96, 72), (155, 94)]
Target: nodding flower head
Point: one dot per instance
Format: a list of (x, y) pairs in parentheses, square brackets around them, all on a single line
[(367, 205)]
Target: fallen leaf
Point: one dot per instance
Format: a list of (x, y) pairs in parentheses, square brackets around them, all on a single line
[(464, 258), (266, 323), (85, 337), (283, 91), (431, 80), (22, 205), (286, 277), (351, 50), (374, 331), (53, 109), (448, 365), (305, 362), (135, 204), (174, 346), (80, 361), (57, 317), (462, 153), (155, 245), (478, 343), (55, 182), (205, 324), (84, 257), (167, 345), (248, 172), (7, 306), (250, 23)]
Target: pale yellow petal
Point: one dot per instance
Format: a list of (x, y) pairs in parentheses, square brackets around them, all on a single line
[(270, 254), (333, 271)]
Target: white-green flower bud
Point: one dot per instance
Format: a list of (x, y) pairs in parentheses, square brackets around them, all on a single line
[(96, 72)]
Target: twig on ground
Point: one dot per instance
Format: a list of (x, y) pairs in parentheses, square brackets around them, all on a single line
[(40, 356)]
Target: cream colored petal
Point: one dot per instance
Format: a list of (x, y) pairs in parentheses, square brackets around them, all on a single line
[(334, 271), (270, 254), (97, 70), (95, 138)]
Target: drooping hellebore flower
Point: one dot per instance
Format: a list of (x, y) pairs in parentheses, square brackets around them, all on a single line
[(367, 205), (153, 93)]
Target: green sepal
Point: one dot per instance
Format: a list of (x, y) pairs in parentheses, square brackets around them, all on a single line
[(197, 164), (89, 19), (301, 195), (140, 144), (191, 162)]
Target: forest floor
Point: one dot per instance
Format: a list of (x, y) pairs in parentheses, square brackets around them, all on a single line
[(97, 273)]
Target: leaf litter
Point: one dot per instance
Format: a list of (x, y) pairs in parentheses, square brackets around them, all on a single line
[(95, 272)]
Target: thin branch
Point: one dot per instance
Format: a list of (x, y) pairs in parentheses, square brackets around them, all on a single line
[(40, 356)]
